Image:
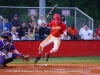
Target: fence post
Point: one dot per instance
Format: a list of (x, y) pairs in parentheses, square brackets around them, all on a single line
[(75, 18)]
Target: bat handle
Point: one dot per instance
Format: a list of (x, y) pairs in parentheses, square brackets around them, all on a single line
[(47, 16), (56, 5)]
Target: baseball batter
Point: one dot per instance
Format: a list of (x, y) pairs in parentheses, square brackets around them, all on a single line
[(57, 28)]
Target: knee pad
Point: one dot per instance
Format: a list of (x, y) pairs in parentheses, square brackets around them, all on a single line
[(41, 44), (14, 56), (54, 49), (1, 59), (40, 47), (7, 61)]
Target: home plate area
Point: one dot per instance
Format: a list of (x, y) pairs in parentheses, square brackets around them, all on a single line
[(51, 69)]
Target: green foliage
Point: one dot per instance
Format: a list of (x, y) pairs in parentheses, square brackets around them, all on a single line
[(24, 17), (70, 20), (61, 3), (90, 7)]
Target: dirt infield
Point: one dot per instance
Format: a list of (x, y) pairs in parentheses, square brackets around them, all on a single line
[(51, 69)]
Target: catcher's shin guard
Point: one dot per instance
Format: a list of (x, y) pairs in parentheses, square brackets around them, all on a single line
[(47, 56), (7, 61), (37, 59), (1, 67)]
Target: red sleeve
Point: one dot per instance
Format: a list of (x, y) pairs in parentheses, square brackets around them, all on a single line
[(49, 24)]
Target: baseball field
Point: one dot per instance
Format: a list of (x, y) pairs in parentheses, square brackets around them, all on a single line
[(55, 66)]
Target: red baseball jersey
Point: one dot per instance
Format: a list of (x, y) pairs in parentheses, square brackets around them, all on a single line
[(98, 32), (57, 29)]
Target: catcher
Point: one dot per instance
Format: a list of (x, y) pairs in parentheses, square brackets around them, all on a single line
[(6, 45)]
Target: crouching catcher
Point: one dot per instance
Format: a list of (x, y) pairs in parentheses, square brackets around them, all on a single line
[(6, 46)]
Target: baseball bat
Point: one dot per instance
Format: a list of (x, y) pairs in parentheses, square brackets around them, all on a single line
[(51, 11)]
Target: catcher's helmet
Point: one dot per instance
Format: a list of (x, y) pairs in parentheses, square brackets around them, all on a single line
[(56, 18), (5, 35)]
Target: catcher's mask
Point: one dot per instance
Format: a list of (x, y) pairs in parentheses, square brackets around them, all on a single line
[(56, 18), (7, 36)]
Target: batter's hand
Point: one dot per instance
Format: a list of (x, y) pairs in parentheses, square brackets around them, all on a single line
[(65, 35)]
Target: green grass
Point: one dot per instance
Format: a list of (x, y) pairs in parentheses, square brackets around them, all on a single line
[(63, 60)]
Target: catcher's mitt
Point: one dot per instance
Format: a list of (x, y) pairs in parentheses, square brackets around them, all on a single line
[(25, 58)]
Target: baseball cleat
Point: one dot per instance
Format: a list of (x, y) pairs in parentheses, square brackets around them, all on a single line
[(37, 59), (1, 67), (4, 65), (47, 56)]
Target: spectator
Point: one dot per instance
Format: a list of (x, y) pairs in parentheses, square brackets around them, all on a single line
[(1, 24), (86, 34), (62, 17), (13, 32), (31, 33), (43, 32), (25, 37), (41, 21), (6, 25), (16, 37), (82, 28), (73, 32), (15, 22), (95, 36), (33, 24), (23, 29)]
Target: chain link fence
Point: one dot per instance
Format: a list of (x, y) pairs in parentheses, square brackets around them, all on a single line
[(74, 15)]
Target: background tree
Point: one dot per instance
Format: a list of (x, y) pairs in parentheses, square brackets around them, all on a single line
[(90, 7)]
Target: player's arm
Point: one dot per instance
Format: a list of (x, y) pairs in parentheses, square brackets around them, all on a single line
[(24, 57), (49, 24), (65, 30), (15, 50), (65, 33), (18, 53)]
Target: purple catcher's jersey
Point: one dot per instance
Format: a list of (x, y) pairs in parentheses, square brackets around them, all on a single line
[(6, 45)]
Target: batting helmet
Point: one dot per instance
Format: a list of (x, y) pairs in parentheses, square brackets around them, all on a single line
[(56, 18), (5, 35)]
